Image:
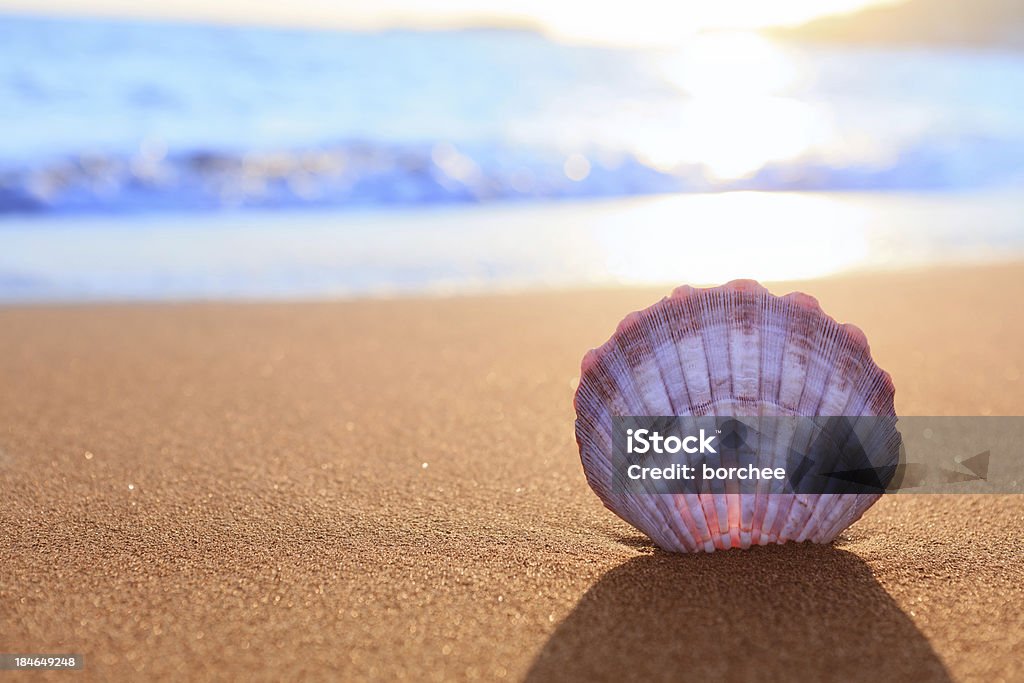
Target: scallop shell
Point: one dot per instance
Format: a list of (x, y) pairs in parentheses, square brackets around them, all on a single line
[(734, 350)]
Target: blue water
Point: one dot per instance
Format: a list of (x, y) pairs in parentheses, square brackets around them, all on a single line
[(102, 117), (662, 241), (156, 161)]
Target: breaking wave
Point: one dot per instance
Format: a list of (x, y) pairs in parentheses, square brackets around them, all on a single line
[(367, 175)]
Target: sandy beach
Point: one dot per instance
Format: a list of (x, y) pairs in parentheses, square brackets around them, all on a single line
[(390, 489)]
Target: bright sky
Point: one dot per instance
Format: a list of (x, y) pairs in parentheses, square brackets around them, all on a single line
[(642, 22)]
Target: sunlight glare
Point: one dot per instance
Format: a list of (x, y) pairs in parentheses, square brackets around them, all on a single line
[(765, 236), (731, 63), (738, 117)]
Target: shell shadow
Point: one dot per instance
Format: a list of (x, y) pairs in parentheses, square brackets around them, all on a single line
[(788, 613)]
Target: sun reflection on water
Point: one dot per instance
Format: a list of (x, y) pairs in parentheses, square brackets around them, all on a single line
[(730, 63), (740, 111), (718, 237)]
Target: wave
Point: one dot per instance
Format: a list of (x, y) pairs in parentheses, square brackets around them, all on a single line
[(365, 174)]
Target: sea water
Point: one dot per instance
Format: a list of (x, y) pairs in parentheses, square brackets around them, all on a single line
[(173, 160)]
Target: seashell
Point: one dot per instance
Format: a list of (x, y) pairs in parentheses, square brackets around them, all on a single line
[(735, 350)]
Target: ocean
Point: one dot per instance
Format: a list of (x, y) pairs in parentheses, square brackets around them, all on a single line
[(147, 160)]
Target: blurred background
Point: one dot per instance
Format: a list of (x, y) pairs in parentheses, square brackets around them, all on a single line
[(248, 148)]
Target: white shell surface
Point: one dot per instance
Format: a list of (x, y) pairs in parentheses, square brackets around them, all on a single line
[(734, 350)]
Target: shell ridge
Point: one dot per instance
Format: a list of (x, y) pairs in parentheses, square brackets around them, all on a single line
[(686, 301), (810, 404), (660, 506), (711, 301), (686, 504)]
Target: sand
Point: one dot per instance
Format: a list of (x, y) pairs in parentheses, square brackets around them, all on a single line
[(390, 489)]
